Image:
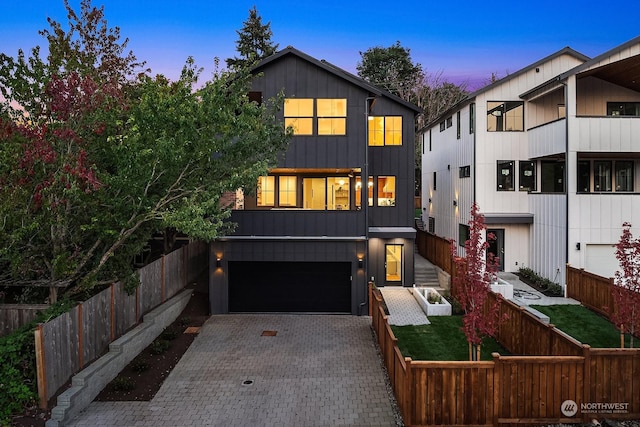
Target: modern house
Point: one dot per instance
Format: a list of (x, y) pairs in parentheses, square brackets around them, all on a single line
[(551, 154), (337, 210)]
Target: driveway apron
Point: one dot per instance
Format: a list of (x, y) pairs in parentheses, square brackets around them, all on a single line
[(266, 370)]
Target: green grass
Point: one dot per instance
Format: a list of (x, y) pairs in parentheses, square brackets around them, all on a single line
[(583, 325), (443, 339)]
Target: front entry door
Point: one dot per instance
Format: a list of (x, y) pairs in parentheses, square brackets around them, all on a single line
[(393, 264), (496, 247)]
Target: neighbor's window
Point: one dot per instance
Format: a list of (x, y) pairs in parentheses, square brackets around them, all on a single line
[(442, 126), (385, 130), (266, 190), (464, 171), (332, 116), (504, 116), (472, 118), (624, 175), (527, 176), (505, 175), (552, 176), (298, 113), (463, 234), (458, 125), (449, 121), (602, 175), (623, 108), (432, 225), (386, 191), (434, 180), (584, 176), (287, 190)]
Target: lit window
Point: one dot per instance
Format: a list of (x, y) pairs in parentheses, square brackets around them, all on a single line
[(266, 190), (332, 116), (338, 191), (385, 130), (298, 113), (287, 190), (503, 116), (505, 175), (386, 191), (527, 176)]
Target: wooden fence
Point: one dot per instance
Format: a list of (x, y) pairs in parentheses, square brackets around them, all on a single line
[(12, 316), (66, 344), (435, 249), (524, 389)]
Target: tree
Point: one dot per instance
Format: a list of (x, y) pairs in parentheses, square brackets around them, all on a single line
[(471, 285), (626, 289), (254, 42), (101, 158), (391, 68)]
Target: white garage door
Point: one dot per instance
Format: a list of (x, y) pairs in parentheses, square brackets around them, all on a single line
[(601, 260)]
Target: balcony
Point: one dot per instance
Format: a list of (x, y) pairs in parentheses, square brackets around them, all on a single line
[(617, 134), (298, 223), (547, 139)]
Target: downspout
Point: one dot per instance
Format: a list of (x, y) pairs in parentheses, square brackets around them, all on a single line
[(566, 179), (364, 194)]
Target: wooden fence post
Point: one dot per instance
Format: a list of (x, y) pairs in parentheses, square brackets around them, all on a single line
[(586, 386), (80, 338), (409, 392), (41, 369), (497, 387)]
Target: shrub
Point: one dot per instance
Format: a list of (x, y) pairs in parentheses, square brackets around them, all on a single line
[(168, 334), (184, 321), (123, 384), (548, 287), (159, 346), (434, 298), (140, 365)]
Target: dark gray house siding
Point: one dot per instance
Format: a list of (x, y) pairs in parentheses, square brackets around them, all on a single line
[(297, 259)]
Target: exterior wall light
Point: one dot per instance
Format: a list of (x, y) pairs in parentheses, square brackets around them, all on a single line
[(360, 262), (455, 203), (218, 262)]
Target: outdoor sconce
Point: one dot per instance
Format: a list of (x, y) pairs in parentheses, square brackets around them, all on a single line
[(429, 199), (578, 246), (218, 262), (455, 203), (360, 262)]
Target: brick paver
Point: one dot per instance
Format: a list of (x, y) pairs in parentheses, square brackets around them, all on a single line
[(319, 370)]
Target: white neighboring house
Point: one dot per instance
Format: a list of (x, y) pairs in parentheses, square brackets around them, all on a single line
[(551, 154)]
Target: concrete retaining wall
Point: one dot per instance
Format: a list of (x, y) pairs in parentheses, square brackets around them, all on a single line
[(88, 383)]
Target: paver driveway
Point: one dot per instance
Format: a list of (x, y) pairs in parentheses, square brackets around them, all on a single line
[(318, 370)]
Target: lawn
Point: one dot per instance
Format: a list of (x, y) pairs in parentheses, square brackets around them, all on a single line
[(584, 325), (443, 339)]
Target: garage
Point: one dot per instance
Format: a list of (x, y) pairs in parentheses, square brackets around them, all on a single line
[(262, 286)]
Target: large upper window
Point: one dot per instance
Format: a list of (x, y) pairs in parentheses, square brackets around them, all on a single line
[(624, 175), (527, 176), (505, 116), (623, 108), (552, 177), (298, 113), (385, 130), (602, 175), (505, 175), (331, 115)]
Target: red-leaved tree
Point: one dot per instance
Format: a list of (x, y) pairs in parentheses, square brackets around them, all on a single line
[(471, 285), (626, 290)]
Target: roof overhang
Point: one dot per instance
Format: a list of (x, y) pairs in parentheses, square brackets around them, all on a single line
[(508, 218), (392, 232)]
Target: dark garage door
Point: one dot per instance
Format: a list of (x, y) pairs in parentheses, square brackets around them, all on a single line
[(289, 286)]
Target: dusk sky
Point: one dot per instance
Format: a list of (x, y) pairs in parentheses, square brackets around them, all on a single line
[(464, 40)]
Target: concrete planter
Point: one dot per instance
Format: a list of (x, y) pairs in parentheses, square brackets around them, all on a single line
[(421, 294), (503, 288)]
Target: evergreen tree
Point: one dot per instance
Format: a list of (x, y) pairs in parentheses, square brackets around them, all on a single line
[(254, 41)]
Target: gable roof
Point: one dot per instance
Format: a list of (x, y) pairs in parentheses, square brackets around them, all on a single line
[(338, 72), (564, 51)]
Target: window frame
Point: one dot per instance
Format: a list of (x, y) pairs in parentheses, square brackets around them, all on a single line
[(502, 116), (522, 177), (382, 181), (385, 133), (502, 178), (337, 114)]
